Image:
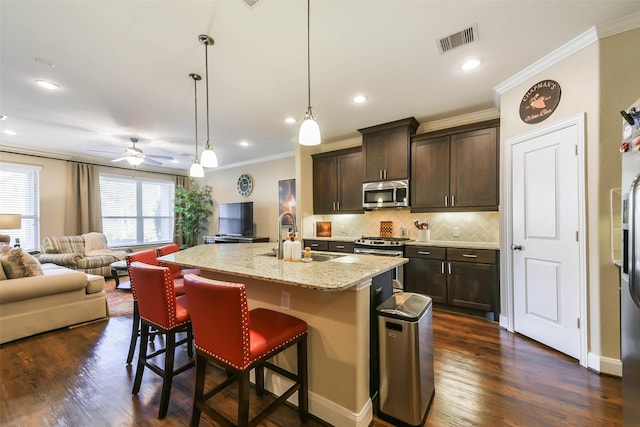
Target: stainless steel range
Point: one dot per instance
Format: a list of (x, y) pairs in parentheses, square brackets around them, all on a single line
[(384, 246)]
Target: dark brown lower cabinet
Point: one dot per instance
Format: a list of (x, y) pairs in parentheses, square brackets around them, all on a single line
[(455, 277)]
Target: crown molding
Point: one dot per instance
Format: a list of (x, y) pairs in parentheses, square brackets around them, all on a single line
[(585, 39), (464, 119)]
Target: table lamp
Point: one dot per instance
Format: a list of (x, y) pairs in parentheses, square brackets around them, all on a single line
[(10, 222)]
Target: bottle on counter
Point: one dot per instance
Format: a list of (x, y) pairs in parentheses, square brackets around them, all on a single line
[(286, 249), (296, 249)]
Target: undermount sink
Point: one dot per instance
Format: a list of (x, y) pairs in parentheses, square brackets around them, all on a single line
[(314, 256)]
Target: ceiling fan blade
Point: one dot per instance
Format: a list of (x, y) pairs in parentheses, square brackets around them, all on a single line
[(154, 156), (153, 162), (120, 159)]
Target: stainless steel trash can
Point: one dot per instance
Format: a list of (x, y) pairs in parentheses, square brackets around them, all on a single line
[(405, 325)]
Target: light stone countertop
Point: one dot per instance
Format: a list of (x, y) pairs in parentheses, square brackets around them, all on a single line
[(456, 244), (249, 260), (334, 238)]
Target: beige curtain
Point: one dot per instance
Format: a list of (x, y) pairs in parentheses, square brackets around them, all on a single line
[(184, 182), (83, 209)]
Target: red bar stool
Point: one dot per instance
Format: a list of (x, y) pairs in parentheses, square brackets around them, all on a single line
[(229, 335), (177, 271), (161, 309), (148, 257)]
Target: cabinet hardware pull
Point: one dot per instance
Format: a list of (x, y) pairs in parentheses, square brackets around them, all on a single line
[(424, 252), (453, 200), (449, 268), (338, 206), (380, 173), (446, 199), (469, 256), (339, 246), (442, 267), (314, 245)]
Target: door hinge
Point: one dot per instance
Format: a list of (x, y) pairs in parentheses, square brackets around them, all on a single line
[(576, 151), (577, 238), (578, 321)]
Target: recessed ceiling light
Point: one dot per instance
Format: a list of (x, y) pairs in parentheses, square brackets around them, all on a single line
[(45, 62), (47, 85), (290, 120), (244, 143), (470, 65), (359, 99), (174, 161), (10, 132)]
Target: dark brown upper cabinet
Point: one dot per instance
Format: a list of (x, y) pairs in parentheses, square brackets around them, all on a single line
[(386, 150), (455, 170), (337, 182)]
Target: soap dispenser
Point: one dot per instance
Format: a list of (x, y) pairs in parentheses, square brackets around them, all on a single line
[(296, 249), (286, 249)]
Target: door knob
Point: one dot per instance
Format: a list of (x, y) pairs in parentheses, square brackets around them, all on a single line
[(516, 247)]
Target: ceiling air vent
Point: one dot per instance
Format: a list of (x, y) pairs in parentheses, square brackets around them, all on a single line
[(250, 3), (466, 36)]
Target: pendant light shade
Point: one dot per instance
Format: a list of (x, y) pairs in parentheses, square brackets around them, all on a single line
[(209, 158), (134, 161), (309, 129), (196, 170)]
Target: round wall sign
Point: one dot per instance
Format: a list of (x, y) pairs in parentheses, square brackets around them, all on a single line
[(540, 101), (245, 185)]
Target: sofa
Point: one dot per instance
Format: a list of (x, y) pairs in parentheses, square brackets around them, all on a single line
[(50, 298), (88, 253)]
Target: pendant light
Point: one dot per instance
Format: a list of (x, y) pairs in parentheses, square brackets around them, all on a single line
[(196, 170), (209, 158), (309, 129)]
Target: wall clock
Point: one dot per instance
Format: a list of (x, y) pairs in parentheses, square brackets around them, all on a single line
[(244, 185)]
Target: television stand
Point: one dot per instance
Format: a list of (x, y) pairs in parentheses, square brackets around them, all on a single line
[(233, 239)]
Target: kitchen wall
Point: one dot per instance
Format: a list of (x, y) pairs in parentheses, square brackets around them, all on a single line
[(597, 81), (473, 226)]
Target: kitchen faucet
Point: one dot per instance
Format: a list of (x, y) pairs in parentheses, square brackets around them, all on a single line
[(280, 251)]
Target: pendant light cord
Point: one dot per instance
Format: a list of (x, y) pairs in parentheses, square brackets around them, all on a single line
[(206, 82), (195, 107), (308, 52)]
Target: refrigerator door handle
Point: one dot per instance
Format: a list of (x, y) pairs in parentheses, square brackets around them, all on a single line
[(634, 243)]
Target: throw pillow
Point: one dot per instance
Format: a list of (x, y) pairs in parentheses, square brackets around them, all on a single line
[(16, 263)]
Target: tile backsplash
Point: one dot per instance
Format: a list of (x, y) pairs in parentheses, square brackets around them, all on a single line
[(472, 226)]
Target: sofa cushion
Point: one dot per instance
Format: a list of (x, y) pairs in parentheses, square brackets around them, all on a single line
[(16, 263), (2, 275), (63, 244)]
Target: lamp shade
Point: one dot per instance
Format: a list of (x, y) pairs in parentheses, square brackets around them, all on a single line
[(309, 132), (10, 221), (208, 159), (196, 170)]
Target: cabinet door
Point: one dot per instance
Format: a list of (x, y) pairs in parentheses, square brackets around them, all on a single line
[(345, 247), (375, 155), (349, 183), (324, 185), (474, 169), (427, 277), (317, 245), (472, 285), (430, 173)]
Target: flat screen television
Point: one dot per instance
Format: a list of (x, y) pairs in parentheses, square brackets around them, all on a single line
[(235, 219)]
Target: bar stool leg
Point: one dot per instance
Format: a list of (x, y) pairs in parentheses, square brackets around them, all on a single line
[(259, 371), (168, 373), (198, 393), (142, 357), (135, 330), (243, 398)]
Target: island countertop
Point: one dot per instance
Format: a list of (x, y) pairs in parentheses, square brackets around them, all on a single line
[(256, 260)]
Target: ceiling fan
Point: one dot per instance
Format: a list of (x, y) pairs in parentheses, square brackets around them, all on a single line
[(134, 156)]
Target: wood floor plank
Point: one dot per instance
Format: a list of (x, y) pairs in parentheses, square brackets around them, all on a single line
[(484, 376)]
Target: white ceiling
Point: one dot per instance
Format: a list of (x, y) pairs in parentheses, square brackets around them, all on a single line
[(124, 65)]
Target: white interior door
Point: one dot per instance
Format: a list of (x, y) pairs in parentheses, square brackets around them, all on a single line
[(546, 252)]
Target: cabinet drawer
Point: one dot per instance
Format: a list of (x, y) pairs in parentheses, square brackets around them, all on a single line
[(429, 252), (346, 247), (317, 245), (484, 256)]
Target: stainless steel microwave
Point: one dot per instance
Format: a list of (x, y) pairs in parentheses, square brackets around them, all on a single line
[(385, 194)]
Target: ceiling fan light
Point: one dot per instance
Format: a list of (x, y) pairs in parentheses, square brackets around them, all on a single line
[(134, 161), (208, 159), (196, 170), (309, 130)]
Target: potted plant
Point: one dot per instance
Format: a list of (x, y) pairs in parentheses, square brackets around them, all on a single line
[(192, 208)]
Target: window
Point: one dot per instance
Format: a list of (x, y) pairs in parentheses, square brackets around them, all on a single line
[(20, 194), (136, 211)]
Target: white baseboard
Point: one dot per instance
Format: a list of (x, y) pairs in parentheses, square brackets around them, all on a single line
[(604, 365)]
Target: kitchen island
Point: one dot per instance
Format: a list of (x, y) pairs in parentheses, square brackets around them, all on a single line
[(332, 294)]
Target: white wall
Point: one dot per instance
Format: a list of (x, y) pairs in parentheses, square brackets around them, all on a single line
[(264, 195)]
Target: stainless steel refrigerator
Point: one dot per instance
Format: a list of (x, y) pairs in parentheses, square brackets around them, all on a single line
[(630, 277)]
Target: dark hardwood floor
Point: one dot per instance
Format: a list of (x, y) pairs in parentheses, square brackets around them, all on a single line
[(485, 376)]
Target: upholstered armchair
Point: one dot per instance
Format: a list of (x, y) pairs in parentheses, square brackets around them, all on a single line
[(88, 253)]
